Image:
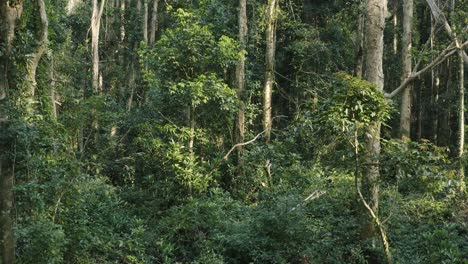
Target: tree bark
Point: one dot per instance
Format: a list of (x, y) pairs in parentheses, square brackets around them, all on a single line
[(435, 82), (269, 66), (154, 23), (360, 49), (461, 120), (145, 21), (95, 27), (35, 58), (405, 110), (240, 76), (10, 12), (373, 70)]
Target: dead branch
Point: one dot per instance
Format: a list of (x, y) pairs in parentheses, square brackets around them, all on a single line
[(242, 144)]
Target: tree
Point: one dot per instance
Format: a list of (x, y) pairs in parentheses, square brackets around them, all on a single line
[(271, 15), (154, 23), (373, 72), (10, 12), (405, 110), (35, 58), (240, 74), (95, 27)]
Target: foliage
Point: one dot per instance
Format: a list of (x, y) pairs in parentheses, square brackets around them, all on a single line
[(135, 173)]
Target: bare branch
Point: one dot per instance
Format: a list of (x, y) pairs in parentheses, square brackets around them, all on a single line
[(242, 144), (447, 52), (441, 18)]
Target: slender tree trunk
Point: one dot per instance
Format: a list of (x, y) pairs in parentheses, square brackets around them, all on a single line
[(376, 12), (53, 96), (123, 7), (191, 124), (461, 120), (10, 12), (405, 110), (145, 21), (361, 40), (240, 76), (269, 66), (435, 82), (95, 27), (154, 23), (395, 28)]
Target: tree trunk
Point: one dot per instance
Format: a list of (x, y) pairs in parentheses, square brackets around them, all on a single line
[(240, 76), (53, 95), (405, 110), (395, 28), (154, 23), (33, 62), (145, 21), (461, 120), (269, 66), (95, 26), (373, 71), (435, 82), (10, 12), (360, 48)]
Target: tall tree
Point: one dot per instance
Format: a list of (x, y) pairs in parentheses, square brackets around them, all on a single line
[(405, 110), (461, 119), (145, 21), (95, 27), (373, 72), (10, 12), (360, 43), (154, 23), (34, 59), (271, 15), (240, 74)]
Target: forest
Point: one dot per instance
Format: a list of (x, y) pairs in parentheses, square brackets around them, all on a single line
[(233, 131)]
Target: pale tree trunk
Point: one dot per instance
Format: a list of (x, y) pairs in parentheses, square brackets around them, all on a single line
[(145, 21), (360, 41), (10, 12), (240, 76), (154, 23), (405, 110), (122, 21), (271, 15), (33, 62), (191, 124), (461, 117), (373, 72), (95, 27), (53, 95), (71, 6)]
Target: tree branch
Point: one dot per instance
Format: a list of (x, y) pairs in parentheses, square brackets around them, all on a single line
[(447, 52), (242, 144), (441, 18)]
